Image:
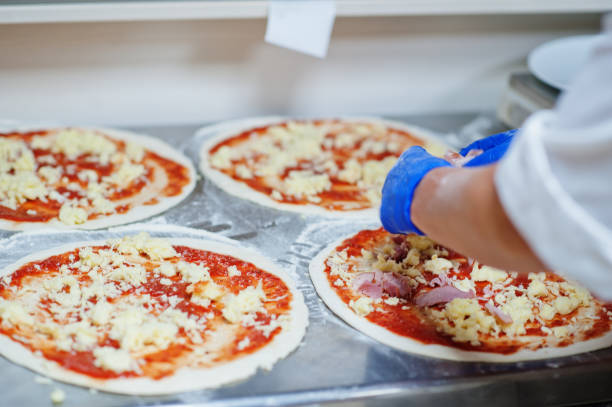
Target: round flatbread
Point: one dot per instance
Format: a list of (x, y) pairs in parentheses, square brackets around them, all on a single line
[(142, 315), (87, 178), (319, 167), (414, 295)]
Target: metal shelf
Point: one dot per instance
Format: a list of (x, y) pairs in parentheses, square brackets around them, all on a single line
[(335, 366)]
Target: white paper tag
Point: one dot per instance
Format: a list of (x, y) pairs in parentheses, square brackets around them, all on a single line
[(301, 25)]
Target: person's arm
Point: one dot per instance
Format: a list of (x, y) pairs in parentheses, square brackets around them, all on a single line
[(459, 208), (551, 191)]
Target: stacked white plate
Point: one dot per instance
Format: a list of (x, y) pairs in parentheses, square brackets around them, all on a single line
[(557, 62)]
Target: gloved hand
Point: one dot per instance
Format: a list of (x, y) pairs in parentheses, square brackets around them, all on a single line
[(414, 164), (399, 188), (494, 147)]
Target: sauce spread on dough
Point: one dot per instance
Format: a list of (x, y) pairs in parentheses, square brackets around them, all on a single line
[(161, 294), (350, 154), (403, 317), (73, 185)]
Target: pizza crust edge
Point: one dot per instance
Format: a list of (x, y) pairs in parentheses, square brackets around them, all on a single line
[(137, 213), (337, 306), (184, 379), (242, 191)]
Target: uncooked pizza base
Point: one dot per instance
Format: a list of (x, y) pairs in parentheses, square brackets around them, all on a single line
[(185, 379), (362, 324), (241, 190), (137, 212)]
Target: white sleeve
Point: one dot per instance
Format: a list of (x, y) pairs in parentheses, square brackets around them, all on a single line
[(555, 182)]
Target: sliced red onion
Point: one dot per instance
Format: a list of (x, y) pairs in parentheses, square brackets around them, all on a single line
[(400, 253), (365, 284), (378, 276), (372, 290), (441, 280), (441, 295), (373, 284), (458, 160), (359, 279), (445, 280), (396, 285), (452, 157), (499, 314), (398, 239)]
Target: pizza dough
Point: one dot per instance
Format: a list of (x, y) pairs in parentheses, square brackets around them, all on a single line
[(467, 312), (153, 299), (318, 167), (86, 178)]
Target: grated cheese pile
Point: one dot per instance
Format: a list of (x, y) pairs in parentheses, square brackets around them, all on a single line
[(24, 177), (312, 156), (102, 294), (498, 307)]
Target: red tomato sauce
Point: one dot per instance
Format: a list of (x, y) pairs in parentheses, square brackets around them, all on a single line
[(413, 323), (45, 210), (340, 194), (164, 362)]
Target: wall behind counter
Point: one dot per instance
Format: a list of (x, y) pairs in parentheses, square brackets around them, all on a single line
[(146, 73)]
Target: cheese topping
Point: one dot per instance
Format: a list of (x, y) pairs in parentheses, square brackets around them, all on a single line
[(72, 215), (205, 292), (248, 301), (116, 360), (438, 265), (82, 195), (373, 177), (232, 271), (155, 248), (537, 288), (57, 396), (305, 183), (464, 319), (101, 300), (298, 162), (76, 142), (520, 310), (15, 156), (362, 306), (192, 273), (486, 273), (14, 314), (491, 306), (19, 187)]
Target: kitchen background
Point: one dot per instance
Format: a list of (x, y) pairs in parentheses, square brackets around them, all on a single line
[(195, 62)]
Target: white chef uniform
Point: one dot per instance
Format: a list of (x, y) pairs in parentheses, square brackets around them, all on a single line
[(555, 182)]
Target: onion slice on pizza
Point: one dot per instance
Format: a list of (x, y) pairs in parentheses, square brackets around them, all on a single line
[(415, 295), (143, 315)]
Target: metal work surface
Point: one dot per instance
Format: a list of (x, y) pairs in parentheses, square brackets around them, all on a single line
[(335, 365)]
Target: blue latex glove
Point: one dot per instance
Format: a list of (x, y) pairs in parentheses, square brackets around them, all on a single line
[(414, 164), (399, 188), (494, 147)]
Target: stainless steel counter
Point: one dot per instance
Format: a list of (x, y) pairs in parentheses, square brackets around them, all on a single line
[(335, 365)]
